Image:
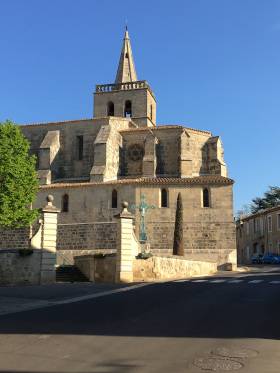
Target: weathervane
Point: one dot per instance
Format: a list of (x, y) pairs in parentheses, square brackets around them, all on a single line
[(142, 208)]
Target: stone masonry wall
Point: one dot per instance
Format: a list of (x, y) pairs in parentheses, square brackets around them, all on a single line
[(15, 238), (202, 241), (87, 236), (88, 227), (163, 268), (15, 269)]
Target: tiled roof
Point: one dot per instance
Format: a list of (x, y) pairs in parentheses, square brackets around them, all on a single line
[(182, 126), (199, 180), (55, 123), (165, 127), (261, 213), (159, 127)]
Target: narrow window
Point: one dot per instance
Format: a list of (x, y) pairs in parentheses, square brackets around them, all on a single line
[(151, 112), (255, 248), (127, 109), (110, 109), (261, 225), (80, 147), (278, 222), (164, 198), (65, 203), (114, 199), (206, 200), (269, 224), (247, 228)]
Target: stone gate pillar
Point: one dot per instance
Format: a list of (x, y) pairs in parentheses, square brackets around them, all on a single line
[(48, 246), (125, 252)]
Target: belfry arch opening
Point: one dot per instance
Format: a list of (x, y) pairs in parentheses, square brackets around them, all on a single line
[(128, 109), (110, 109)]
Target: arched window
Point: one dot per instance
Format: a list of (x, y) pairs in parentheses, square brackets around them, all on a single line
[(114, 199), (110, 109), (206, 197), (65, 203), (127, 109), (164, 198), (80, 147)]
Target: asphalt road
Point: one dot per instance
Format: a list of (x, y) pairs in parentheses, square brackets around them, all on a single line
[(229, 322)]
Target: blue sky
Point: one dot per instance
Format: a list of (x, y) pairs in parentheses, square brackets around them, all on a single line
[(213, 65)]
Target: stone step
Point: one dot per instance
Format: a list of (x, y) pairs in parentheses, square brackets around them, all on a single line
[(69, 274)]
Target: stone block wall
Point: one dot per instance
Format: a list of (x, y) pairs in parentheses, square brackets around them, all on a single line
[(18, 238), (97, 269), (87, 236), (15, 269), (36, 265), (164, 268), (200, 154), (153, 269), (66, 163), (82, 239), (89, 225)]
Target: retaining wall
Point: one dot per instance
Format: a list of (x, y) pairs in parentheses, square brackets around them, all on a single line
[(165, 268)]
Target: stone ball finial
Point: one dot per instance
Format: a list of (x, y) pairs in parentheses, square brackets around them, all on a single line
[(125, 204), (50, 198)]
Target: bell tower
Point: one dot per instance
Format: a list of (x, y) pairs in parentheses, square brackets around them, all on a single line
[(128, 96)]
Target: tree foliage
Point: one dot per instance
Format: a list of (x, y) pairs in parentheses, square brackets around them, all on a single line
[(270, 199), (178, 243), (18, 178)]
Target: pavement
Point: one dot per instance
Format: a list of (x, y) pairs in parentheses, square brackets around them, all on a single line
[(226, 322)]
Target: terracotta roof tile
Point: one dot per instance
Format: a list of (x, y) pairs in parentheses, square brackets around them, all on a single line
[(165, 127), (199, 180), (159, 127), (55, 123), (260, 213), (182, 126)]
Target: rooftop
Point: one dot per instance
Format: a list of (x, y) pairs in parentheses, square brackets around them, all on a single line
[(260, 213), (199, 180)]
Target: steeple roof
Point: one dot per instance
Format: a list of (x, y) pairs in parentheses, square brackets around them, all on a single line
[(126, 70)]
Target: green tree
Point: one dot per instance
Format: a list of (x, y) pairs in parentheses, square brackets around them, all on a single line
[(18, 178), (178, 242), (270, 199)]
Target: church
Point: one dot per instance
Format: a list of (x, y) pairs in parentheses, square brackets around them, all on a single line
[(92, 165)]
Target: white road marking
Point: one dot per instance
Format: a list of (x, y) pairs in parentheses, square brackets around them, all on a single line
[(217, 281), (199, 280), (255, 281), (275, 282), (235, 281), (35, 305), (181, 280)]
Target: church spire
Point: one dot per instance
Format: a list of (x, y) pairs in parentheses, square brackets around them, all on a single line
[(126, 70)]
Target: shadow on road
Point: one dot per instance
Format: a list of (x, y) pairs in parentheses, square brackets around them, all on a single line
[(173, 309)]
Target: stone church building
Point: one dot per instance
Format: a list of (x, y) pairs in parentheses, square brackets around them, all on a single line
[(92, 165)]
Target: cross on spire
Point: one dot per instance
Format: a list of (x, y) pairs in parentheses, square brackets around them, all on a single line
[(126, 70)]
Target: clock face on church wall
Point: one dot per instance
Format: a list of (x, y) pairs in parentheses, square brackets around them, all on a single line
[(135, 152)]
